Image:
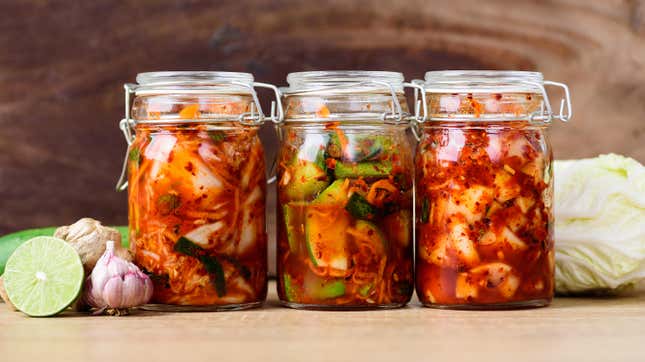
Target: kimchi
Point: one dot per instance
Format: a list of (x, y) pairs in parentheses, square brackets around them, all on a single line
[(484, 219), (345, 206), (484, 197), (197, 201)]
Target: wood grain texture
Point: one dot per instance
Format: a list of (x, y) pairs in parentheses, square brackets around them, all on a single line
[(569, 330), (63, 63)]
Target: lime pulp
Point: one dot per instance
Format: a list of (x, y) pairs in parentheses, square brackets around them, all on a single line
[(43, 276)]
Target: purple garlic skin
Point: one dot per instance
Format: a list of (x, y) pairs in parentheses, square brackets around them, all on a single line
[(116, 283)]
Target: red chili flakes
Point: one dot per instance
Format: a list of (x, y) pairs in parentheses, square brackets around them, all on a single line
[(190, 168), (331, 163), (332, 125)]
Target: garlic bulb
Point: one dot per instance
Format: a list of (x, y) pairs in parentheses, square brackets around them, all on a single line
[(88, 237), (116, 285)]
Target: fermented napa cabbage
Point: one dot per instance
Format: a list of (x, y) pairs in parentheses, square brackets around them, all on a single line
[(600, 225)]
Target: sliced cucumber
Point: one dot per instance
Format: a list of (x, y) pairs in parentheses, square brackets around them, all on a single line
[(359, 147), (321, 289), (359, 208), (363, 169), (365, 290), (308, 179), (335, 194), (326, 236), (368, 232), (425, 211), (294, 216), (289, 289)]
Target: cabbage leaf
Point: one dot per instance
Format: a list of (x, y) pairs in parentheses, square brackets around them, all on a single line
[(599, 225)]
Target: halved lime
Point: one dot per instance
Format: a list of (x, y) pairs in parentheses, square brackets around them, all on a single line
[(43, 276)]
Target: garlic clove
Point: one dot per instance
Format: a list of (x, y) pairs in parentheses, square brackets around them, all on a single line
[(113, 293), (132, 291), (117, 266), (100, 276)]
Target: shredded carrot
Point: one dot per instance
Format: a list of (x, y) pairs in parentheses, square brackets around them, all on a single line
[(190, 112), (342, 139), (154, 115), (360, 182), (478, 108), (316, 270), (363, 278), (339, 273), (323, 112), (358, 235)]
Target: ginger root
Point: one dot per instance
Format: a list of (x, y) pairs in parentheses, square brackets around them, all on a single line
[(88, 237)]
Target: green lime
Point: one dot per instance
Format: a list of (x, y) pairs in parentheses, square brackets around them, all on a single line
[(43, 276)]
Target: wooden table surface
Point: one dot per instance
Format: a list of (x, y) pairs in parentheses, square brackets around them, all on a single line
[(599, 329)]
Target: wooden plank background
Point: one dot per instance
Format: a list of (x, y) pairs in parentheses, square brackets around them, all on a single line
[(62, 65)]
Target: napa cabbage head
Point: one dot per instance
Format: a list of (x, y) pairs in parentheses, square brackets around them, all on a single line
[(599, 225)]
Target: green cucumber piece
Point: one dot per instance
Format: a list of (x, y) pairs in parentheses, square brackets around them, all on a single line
[(359, 208), (359, 148), (213, 266), (425, 210), (294, 215), (373, 234), (320, 289), (363, 169), (289, 288), (335, 194), (365, 290), (326, 236), (307, 180), (334, 148), (9, 242)]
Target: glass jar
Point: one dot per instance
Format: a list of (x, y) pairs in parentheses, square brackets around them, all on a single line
[(197, 189), (345, 192), (484, 191)]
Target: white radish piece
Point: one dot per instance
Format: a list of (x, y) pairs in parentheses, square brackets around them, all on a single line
[(203, 235)]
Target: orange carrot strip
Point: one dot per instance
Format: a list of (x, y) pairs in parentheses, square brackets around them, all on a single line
[(323, 112), (343, 140), (190, 112)]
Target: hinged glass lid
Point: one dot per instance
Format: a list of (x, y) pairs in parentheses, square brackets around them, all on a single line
[(338, 81), (346, 96), (182, 81), (198, 97), (491, 96)]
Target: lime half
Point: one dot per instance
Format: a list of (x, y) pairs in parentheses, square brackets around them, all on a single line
[(43, 276)]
